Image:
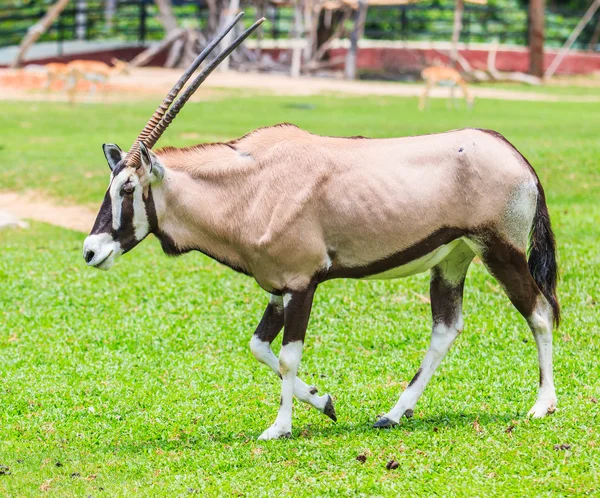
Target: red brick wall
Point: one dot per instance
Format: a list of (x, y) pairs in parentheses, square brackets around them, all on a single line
[(393, 60), (412, 60)]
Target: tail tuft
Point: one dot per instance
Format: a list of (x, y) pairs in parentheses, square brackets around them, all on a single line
[(542, 255)]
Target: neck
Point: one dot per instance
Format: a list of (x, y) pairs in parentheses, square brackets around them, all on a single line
[(198, 214)]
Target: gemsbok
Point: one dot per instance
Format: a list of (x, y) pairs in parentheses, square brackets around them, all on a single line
[(292, 209)]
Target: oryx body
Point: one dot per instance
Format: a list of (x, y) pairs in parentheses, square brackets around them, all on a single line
[(293, 209)]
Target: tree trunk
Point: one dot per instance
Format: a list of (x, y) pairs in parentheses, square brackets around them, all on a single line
[(166, 16), (38, 29), (456, 29), (147, 55), (110, 8), (297, 40), (595, 37), (359, 24), (260, 12), (226, 18), (536, 37)]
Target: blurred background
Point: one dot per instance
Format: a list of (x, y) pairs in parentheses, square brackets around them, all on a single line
[(486, 40), (139, 381)]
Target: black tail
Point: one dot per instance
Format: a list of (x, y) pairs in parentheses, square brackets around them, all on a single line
[(542, 255)]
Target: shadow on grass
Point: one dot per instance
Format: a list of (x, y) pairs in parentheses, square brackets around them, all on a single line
[(490, 422)]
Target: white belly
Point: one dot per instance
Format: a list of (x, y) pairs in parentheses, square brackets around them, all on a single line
[(420, 265)]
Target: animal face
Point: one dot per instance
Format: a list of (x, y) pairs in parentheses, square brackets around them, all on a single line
[(127, 213)]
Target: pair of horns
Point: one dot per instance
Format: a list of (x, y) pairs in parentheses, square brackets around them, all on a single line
[(163, 116)]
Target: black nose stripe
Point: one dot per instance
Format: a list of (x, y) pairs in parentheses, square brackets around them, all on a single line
[(103, 223)]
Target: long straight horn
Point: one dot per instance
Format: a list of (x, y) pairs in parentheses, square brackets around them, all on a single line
[(189, 91), (133, 156)]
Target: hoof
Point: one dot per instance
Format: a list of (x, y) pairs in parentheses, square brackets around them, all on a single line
[(329, 410), (384, 423), (542, 408), (274, 433)]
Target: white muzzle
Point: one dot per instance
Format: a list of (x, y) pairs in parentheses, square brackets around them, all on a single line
[(100, 251)]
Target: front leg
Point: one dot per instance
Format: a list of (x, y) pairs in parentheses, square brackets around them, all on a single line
[(297, 306), (260, 345)]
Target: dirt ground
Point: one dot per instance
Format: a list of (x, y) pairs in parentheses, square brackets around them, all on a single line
[(34, 207), (144, 83)]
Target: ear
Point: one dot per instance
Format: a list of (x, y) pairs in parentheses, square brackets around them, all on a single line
[(113, 154), (151, 165)]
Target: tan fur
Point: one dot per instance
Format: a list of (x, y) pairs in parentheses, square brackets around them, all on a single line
[(279, 201), (435, 75), (55, 71)]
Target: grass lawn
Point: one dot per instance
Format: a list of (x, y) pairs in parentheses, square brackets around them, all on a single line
[(139, 381)]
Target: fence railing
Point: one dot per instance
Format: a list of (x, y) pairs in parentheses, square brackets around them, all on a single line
[(136, 21)]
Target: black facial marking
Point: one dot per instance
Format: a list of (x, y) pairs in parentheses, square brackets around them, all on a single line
[(151, 211), (125, 235), (103, 223), (118, 168)]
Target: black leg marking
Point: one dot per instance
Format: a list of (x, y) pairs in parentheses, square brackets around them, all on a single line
[(297, 314), (271, 323), (416, 377)]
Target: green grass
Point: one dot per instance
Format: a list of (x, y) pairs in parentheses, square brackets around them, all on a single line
[(139, 381), (556, 88)]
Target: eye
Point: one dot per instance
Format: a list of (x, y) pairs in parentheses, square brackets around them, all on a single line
[(127, 189)]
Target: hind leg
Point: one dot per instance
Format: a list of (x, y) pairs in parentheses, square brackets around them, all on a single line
[(446, 292), (509, 266)]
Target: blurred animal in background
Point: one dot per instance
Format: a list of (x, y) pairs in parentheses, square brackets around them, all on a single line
[(436, 75), (55, 71), (74, 72), (92, 71)]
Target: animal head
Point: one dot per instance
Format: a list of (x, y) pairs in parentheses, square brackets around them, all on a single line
[(127, 214), (120, 67)]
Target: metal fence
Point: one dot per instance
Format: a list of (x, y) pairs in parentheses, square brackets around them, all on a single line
[(136, 21)]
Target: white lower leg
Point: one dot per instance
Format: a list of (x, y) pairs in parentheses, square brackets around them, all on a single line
[(442, 338), (307, 394), (289, 361), (541, 326)]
